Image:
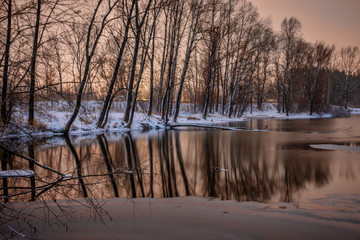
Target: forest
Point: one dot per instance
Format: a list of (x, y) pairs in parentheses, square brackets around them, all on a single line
[(156, 56)]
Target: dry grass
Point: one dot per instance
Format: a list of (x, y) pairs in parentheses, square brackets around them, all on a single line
[(39, 125), (192, 118), (85, 120)]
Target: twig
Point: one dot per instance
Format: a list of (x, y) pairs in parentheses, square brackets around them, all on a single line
[(14, 231)]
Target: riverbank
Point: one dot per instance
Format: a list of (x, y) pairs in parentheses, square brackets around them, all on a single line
[(51, 119), (188, 218)]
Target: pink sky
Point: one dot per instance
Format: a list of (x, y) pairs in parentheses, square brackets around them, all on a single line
[(333, 21)]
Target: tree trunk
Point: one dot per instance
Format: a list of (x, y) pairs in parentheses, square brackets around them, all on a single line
[(151, 94), (58, 63), (223, 97), (196, 83), (129, 93), (163, 62), (207, 91), (33, 65), (5, 77), (346, 100)]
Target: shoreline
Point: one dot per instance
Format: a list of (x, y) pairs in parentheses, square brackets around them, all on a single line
[(83, 127)]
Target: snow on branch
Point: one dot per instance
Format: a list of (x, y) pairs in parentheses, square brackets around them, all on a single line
[(34, 161)]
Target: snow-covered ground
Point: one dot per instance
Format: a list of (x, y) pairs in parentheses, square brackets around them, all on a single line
[(52, 116)]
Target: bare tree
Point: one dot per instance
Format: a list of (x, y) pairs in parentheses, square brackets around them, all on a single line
[(348, 76), (263, 66), (106, 106), (151, 59), (165, 52), (213, 32), (229, 10), (144, 55), (139, 22), (176, 11), (319, 59), (196, 9), (289, 39), (90, 49), (240, 53)]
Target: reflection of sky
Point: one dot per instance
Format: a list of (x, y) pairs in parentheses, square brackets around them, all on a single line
[(333, 21)]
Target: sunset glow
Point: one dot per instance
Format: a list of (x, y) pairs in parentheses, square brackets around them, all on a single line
[(333, 21)]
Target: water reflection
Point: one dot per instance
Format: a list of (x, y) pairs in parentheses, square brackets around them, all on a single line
[(242, 166), (5, 160), (77, 166)]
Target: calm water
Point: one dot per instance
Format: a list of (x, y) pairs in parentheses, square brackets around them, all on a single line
[(273, 165)]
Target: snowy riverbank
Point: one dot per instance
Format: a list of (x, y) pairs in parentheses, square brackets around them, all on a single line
[(51, 118)]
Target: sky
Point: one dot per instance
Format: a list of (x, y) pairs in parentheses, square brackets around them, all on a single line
[(333, 21)]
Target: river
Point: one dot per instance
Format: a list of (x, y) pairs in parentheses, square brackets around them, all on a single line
[(267, 161)]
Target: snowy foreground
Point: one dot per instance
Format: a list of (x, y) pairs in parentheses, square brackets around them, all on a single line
[(191, 218), (51, 118)]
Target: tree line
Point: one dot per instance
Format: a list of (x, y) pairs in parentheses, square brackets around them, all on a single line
[(216, 56)]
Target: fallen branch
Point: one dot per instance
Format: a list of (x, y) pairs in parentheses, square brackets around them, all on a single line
[(33, 160), (16, 173)]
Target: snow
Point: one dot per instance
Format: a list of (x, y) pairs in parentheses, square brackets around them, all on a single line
[(355, 110), (51, 118), (16, 173), (335, 147)]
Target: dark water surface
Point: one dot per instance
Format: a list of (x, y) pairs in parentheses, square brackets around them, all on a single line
[(273, 165)]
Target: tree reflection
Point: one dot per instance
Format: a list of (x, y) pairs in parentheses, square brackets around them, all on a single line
[(128, 148), (78, 165), (32, 167), (103, 144), (237, 173), (49, 214), (4, 160), (299, 172), (151, 163), (177, 163), (181, 163)]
